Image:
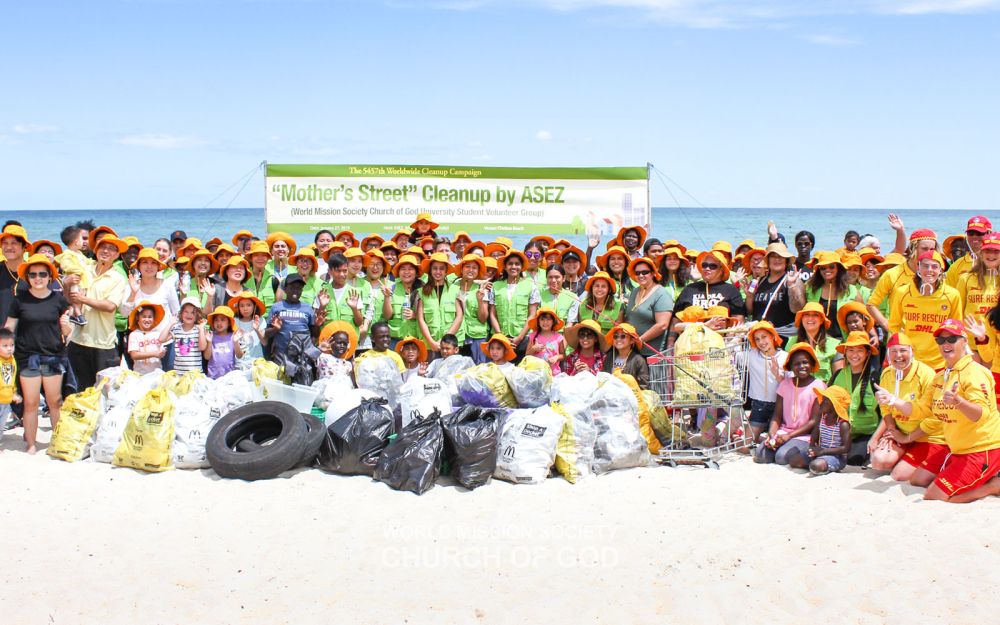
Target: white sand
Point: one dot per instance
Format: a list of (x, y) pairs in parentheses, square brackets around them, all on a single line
[(88, 543)]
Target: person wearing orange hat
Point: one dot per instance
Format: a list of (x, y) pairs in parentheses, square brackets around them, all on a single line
[(954, 248), (534, 270), (460, 242), (222, 350), (545, 340), (765, 366), (147, 286), (405, 290), (513, 299), (780, 293), (565, 302), (241, 241), (499, 350), (439, 309), (861, 362), (338, 341), (713, 289), (796, 411), (675, 271), (625, 356), (614, 262), (473, 288), (574, 275), (147, 336), (631, 239), (338, 299), (976, 230), (306, 265), (347, 238), (95, 346), (918, 307), (424, 226), (906, 378), (282, 246), (376, 298), (811, 325), (588, 346), (371, 242), (202, 266), (830, 442), (649, 308), (598, 302), (921, 241), (262, 282), (14, 241), (414, 353), (960, 404), (402, 239), (38, 318), (390, 252), (249, 312), (829, 287)]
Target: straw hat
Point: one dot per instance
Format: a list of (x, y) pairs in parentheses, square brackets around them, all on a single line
[(802, 347), (857, 339), (37, 259), (341, 326), (471, 258), (421, 347), (149, 253), (133, 317), (854, 307), (602, 261), (812, 307), (643, 260), (202, 252), (619, 240), (546, 310), (33, 248), (234, 302), (92, 236), (628, 329), (15, 231), (274, 237), (509, 353), (839, 398), (572, 335), (223, 311), (764, 326), (235, 261), (242, 234), (425, 217), (407, 259), (436, 257)]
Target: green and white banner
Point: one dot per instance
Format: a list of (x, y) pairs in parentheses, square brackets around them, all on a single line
[(485, 201)]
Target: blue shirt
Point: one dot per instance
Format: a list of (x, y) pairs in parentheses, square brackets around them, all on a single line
[(295, 318)]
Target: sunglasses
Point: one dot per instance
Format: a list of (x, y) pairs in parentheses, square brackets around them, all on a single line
[(642, 272), (587, 334), (533, 254), (619, 336), (710, 266), (951, 339), (38, 274)]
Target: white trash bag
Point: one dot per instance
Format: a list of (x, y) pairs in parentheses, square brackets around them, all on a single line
[(231, 391), (345, 402), (575, 450), (567, 389), (419, 397), (526, 448), (620, 443), (330, 389), (109, 433), (133, 389), (531, 382), (192, 422), (381, 375), (448, 370)]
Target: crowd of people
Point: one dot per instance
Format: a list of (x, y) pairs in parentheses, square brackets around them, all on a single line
[(857, 357)]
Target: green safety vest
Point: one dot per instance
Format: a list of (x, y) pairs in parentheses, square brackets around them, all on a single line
[(607, 318), (340, 311), (374, 298), (397, 327), (862, 421), (264, 290), (472, 327), (310, 289), (562, 303), (512, 314), (439, 313)]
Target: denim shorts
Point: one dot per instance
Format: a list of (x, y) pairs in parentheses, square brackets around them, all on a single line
[(761, 412), (43, 370)]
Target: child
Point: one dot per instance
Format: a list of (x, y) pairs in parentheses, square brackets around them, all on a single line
[(145, 344), (544, 340), (414, 354), (72, 262), (831, 437), (249, 328), (189, 337), (500, 351), (449, 347), (337, 341), (423, 227), (795, 411), (221, 350), (291, 316), (8, 375), (765, 361), (380, 346)]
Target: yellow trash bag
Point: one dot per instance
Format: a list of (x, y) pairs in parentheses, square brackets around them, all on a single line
[(77, 425), (149, 433), (486, 386), (264, 370), (645, 412), (180, 384), (703, 368), (665, 430), (575, 449)]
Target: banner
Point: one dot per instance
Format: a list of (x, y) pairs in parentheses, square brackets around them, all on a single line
[(497, 201)]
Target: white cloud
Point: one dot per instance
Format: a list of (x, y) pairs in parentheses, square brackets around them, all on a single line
[(161, 141), (829, 40), (32, 129), (543, 135)]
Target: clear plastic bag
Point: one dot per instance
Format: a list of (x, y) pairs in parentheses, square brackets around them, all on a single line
[(381, 375), (486, 386), (620, 444)]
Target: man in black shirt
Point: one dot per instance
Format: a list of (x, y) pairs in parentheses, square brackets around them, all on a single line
[(13, 241)]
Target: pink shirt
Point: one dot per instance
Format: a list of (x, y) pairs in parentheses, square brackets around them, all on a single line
[(797, 404), (553, 345)]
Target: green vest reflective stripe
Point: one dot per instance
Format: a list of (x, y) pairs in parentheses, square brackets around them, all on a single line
[(472, 327), (439, 313), (607, 318), (398, 328), (512, 314), (563, 303)]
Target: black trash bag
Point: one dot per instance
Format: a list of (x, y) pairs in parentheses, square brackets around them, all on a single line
[(470, 444), (354, 441), (299, 359), (413, 461)]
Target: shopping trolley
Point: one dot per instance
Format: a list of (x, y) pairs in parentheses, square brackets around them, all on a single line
[(694, 388)]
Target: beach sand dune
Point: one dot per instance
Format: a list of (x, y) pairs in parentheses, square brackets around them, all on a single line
[(88, 543)]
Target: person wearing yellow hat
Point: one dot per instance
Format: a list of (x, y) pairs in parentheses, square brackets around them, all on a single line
[(534, 267), (565, 302), (38, 319), (391, 253), (675, 271), (241, 241), (908, 379), (202, 267), (338, 340), (649, 308), (145, 285), (624, 355), (402, 240), (282, 246), (830, 442), (960, 404), (147, 336), (262, 282), (598, 302), (339, 299), (306, 265), (371, 242), (892, 279), (976, 230), (423, 226), (765, 366), (347, 238), (95, 346), (545, 340), (249, 312), (223, 252), (589, 347), (713, 289), (861, 360), (499, 350), (614, 262), (812, 327), (376, 295), (796, 410), (439, 310), (405, 290), (830, 287), (918, 307), (780, 293), (854, 317), (222, 350), (414, 353), (513, 300), (473, 288)]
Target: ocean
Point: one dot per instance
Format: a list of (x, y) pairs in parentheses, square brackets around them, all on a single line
[(697, 228)]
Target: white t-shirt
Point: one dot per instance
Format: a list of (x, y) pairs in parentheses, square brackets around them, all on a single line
[(763, 382)]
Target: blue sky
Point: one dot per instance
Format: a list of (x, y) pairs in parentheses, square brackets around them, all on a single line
[(856, 103)]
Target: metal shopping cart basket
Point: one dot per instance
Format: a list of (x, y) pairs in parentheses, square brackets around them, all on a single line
[(703, 394)]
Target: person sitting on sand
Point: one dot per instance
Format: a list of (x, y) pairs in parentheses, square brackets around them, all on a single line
[(795, 412), (337, 342), (831, 437)]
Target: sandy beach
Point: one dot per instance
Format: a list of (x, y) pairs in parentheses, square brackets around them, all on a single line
[(88, 543)]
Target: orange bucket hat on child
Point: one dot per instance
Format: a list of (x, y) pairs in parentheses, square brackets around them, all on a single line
[(421, 347), (133, 317), (234, 302), (764, 326), (509, 353), (854, 307), (802, 347), (546, 310), (425, 217), (812, 307), (223, 311), (840, 399), (341, 326), (628, 329), (857, 339)]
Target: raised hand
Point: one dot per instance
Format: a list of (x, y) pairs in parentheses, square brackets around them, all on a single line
[(975, 328), (354, 299), (772, 230), (896, 222), (256, 322)]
